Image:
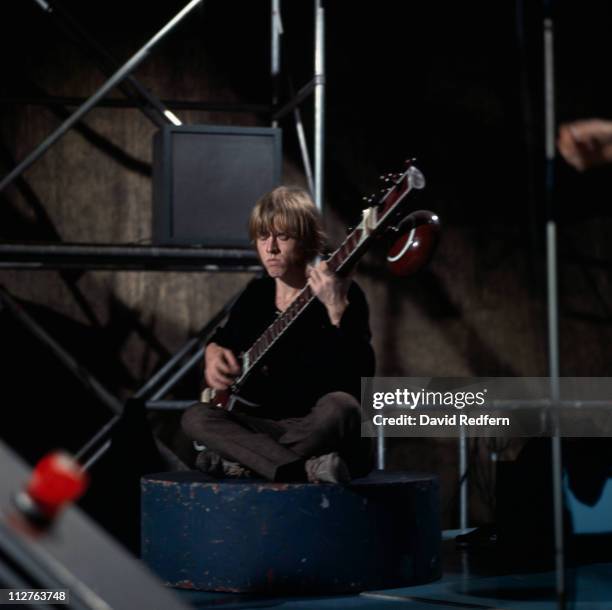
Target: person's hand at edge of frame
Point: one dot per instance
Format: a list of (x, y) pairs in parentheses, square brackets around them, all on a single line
[(586, 143)]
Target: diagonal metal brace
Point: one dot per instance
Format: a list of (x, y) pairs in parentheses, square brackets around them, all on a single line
[(84, 376), (149, 104), (116, 78)]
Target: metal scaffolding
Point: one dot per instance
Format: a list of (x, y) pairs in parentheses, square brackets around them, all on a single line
[(64, 256), (549, 134), (128, 258), (120, 75), (100, 256)]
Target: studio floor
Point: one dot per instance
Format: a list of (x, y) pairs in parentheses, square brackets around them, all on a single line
[(472, 579)]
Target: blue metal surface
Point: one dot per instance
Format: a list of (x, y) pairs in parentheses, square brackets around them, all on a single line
[(590, 588), (252, 536), (595, 519)]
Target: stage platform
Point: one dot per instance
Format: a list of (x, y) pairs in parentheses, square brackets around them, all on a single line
[(481, 575), (471, 580), (253, 536)]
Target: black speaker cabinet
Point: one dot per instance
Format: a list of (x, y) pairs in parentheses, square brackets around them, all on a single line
[(206, 180)]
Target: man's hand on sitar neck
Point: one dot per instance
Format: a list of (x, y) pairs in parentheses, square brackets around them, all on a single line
[(330, 289)]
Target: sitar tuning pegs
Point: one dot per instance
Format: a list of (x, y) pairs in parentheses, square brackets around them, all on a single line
[(369, 199), (387, 178)]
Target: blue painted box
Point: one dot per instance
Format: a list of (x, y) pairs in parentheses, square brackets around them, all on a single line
[(250, 535)]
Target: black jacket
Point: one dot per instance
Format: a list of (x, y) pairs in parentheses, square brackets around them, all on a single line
[(312, 358)]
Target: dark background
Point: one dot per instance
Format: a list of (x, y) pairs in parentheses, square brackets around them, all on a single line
[(459, 86)]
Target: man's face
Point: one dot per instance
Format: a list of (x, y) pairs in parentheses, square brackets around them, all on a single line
[(280, 254)]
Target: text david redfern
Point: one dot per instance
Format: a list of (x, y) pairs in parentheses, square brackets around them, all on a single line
[(446, 420)]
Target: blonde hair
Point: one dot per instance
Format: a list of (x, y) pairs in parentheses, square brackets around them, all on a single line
[(289, 209)]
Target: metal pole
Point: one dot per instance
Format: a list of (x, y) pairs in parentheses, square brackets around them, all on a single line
[(153, 108), (557, 456), (108, 256), (463, 482), (553, 309), (130, 65), (319, 103), (198, 355), (197, 342), (277, 30), (161, 373), (94, 440), (301, 134), (296, 100), (149, 386), (55, 100), (97, 455), (195, 358), (169, 405), (380, 448)]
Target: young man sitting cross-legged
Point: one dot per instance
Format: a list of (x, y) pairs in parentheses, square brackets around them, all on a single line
[(308, 424)]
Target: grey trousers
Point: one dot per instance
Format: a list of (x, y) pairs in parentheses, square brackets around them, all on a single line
[(277, 449)]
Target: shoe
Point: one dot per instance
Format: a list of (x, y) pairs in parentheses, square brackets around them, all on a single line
[(328, 468), (209, 462), (235, 470), (212, 463)]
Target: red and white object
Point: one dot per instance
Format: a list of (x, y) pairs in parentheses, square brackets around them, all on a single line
[(57, 480)]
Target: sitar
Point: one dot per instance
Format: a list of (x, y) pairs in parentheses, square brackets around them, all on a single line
[(386, 215)]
